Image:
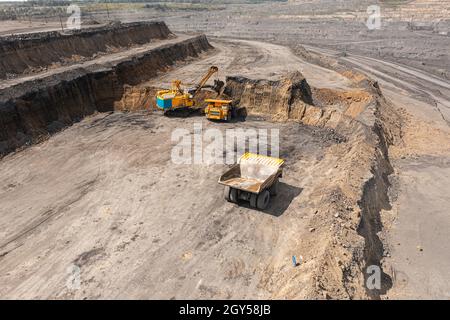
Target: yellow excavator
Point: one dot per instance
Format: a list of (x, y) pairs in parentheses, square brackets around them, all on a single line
[(176, 98)]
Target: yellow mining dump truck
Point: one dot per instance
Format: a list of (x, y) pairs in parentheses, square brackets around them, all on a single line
[(254, 179), (219, 109)]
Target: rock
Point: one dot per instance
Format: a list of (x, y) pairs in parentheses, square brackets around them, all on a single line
[(281, 97), (312, 229)]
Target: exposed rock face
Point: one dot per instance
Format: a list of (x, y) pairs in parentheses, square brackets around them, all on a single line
[(275, 98), (35, 108), (39, 50)]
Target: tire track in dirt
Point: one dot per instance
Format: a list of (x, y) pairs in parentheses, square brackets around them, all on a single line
[(393, 76), (271, 62)]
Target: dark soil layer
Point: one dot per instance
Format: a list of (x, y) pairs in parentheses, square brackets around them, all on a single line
[(20, 53)]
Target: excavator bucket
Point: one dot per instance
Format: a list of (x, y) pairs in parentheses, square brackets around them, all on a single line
[(218, 86)]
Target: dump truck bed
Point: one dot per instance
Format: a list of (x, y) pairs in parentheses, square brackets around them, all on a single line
[(253, 173)]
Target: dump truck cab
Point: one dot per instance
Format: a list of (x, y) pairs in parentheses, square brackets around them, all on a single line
[(219, 109)]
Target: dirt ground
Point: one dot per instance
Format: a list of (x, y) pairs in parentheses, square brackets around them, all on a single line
[(104, 195), (254, 59), (142, 216)]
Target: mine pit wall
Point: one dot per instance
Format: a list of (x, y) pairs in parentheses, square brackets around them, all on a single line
[(34, 109), (362, 179), (387, 130), (273, 98), (39, 50)]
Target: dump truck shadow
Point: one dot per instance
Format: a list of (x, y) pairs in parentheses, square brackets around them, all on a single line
[(279, 203), (234, 120)]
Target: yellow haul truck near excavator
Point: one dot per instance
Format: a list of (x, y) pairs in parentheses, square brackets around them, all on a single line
[(176, 98), (219, 109)]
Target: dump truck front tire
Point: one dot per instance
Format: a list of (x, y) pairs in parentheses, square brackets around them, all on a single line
[(226, 193), (233, 195), (263, 200)]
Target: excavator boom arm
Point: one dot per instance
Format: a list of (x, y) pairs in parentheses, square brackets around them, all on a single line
[(208, 75)]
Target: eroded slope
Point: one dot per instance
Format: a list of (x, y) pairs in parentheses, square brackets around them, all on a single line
[(35, 52)]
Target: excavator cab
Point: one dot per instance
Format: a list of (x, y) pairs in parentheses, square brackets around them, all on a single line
[(176, 98)]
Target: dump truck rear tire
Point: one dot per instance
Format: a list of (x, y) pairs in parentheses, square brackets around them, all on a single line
[(226, 193), (274, 188), (234, 195), (263, 200), (253, 200), (233, 113)]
